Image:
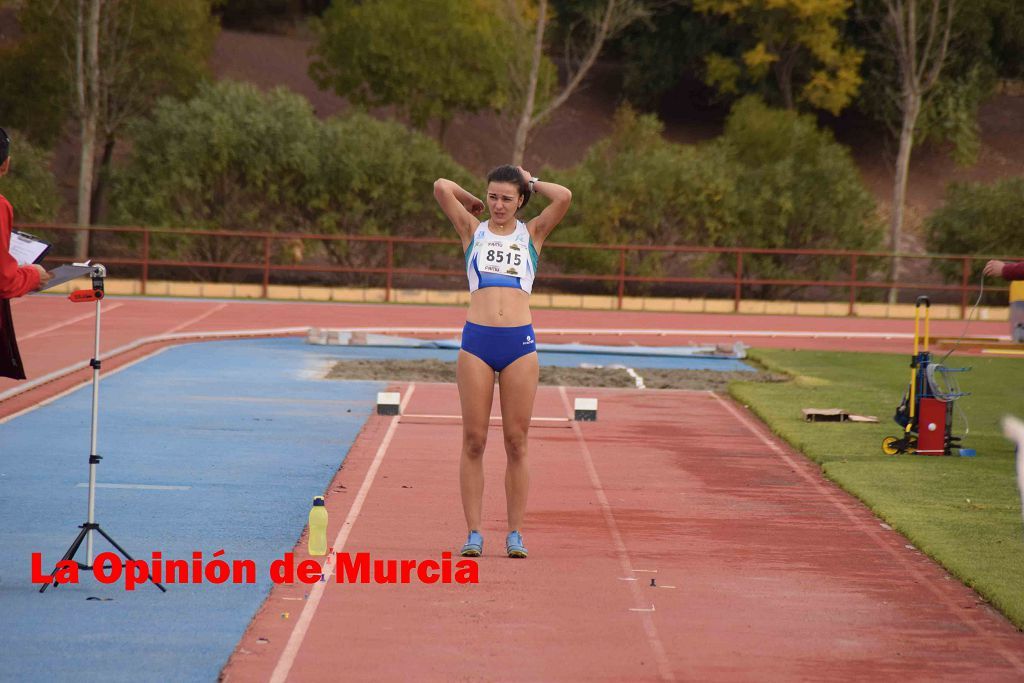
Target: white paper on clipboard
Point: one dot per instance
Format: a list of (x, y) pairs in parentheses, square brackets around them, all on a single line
[(27, 249)]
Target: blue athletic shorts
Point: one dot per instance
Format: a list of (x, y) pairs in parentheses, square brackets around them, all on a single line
[(498, 346)]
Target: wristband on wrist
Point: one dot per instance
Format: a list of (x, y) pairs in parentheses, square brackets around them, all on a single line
[(533, 181)]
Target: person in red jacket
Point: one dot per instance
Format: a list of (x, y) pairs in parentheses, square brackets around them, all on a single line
[(15, 280), (1007, 271)]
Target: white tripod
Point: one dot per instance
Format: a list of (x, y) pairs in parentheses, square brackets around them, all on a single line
[(80, 296)]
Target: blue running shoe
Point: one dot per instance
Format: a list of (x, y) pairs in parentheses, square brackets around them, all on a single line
[(514, 545), (474, 545)]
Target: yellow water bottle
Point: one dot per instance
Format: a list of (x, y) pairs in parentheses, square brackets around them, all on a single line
[(318, 527)]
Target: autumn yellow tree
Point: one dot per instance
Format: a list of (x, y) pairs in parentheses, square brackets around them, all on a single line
[(798, 42)]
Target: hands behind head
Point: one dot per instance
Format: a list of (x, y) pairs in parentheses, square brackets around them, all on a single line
[(527, 176), (475, 206), (995, 268)]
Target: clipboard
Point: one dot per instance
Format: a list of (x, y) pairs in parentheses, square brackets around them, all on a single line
[(27, 249), (66, 273)]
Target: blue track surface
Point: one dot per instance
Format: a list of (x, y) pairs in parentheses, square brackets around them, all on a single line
[(250, 435), (241, 425)]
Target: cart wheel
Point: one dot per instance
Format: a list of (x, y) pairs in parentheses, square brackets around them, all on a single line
[(890, 445)]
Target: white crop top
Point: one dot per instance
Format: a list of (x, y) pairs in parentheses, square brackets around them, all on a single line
[(501, 260)]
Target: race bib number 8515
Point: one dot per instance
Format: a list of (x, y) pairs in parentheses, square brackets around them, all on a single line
[(502, 258)]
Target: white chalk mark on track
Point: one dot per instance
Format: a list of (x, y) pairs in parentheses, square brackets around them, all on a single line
[(664, 667), (291, 648)]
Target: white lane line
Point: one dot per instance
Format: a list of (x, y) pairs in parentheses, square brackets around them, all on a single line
[(193, 321), (146, 487), (831, 493), (181, 337), (636, 378), (664, 667), (291, 648), (103, 375), (71, 321), (496, 418)]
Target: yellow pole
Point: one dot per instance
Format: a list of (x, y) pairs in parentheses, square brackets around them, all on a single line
[(913, 365)]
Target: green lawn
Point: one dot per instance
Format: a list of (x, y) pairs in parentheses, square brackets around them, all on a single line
[(963, 512)]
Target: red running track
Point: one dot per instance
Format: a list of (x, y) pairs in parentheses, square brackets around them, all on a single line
[(762, 570)]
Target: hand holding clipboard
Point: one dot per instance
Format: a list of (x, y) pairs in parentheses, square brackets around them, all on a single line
[(30, 250)]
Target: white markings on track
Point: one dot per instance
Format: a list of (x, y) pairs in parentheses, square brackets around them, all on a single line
[(875, 535), (493, 417), (636, 378), (664, 667), (193, 321), (181, 337), (105, 374), (291, 648), (87, 316)]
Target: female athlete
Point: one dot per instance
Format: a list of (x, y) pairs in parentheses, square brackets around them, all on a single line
[(501, 263)]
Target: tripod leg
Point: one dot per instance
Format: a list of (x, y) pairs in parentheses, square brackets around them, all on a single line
[(123, 552), (70, 553)]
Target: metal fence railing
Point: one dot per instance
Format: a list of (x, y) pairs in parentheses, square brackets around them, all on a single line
[(732, 272)]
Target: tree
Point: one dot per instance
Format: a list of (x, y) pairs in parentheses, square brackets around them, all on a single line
[(582, 49), (429, 59), (797, 41), (87, 108), (914, 37), (666, 50), (102, 63)]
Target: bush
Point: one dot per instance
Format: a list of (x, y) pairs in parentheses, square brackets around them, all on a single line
[(237, 159), (634, 187), (30, 186), (797, 188), (977, 219), (773, 180)]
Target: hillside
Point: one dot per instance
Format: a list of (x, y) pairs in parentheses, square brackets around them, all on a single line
[(482, 141)]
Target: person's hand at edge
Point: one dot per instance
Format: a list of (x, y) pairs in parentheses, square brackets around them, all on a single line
[(994, 268)]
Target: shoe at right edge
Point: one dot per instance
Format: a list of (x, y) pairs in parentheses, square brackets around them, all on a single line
[(514, 545)]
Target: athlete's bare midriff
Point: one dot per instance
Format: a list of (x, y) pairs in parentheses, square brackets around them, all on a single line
[(499, 307)]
